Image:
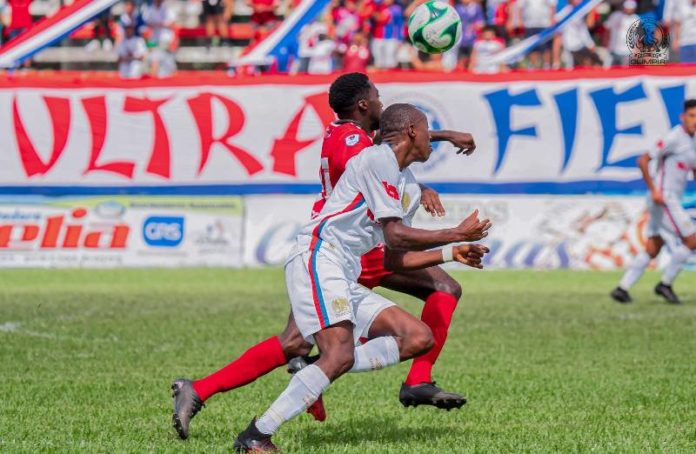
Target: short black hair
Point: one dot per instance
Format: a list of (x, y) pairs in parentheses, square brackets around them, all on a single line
[(347, 90), (398, 117), (689, 104), (489, 28)]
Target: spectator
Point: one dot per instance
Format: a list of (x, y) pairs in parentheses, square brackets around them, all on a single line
[(160, 20), (618, 24), (670, 10), (321, 55), (576, 39), (129, 17), (471, 15), (102, 33), (484, 47), (216, 15), (20, 18), (346, 21), (131, 51), (535, 16), (356, 55), (685, 32), (264, 12), (309, 36), (388, 25)]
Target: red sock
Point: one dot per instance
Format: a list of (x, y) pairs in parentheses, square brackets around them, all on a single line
[(437, 314), (254, 363)]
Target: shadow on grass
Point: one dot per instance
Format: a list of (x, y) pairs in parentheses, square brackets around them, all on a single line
[(370, 429)]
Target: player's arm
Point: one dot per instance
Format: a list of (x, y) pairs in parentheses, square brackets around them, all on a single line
[(430, 200), (643, 161), (462, 140), (400, 237), (467, 254)]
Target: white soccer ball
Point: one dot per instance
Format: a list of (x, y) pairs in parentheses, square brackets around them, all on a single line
[(434, 27)]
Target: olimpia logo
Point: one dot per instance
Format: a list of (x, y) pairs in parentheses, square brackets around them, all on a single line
[(434, 27)]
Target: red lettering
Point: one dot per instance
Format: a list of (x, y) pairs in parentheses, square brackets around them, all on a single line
[(286, 148), (59, 111), (73, 232), (160, 158), (95, 108), (202, 110), (53, 227)]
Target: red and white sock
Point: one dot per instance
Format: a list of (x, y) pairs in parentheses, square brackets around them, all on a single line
[(437, 314), (254, 363)]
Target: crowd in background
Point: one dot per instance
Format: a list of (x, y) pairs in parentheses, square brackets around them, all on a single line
[(357, 35)]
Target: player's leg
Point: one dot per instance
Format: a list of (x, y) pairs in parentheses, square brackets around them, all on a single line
[(679, 224), (635, 269), (256, 362), (322, 306), (441, 293), (638, 264)]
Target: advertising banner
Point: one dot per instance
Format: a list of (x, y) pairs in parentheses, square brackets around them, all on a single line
[(543, 232), (558, 132), (127, 231)]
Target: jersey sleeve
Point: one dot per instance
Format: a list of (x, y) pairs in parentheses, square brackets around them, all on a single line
[(663, 147), (378, 181)]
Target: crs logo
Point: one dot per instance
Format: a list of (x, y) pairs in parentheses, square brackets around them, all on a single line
[(163, 231)]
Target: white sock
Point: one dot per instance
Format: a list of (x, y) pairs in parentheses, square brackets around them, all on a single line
[(635, 270), (376, 354), (304, 389), (679, 256)]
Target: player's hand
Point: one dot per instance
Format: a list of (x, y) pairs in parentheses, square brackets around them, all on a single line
[(657, 197), (464, 142), (430, 200), (472, 229), (470, 254)]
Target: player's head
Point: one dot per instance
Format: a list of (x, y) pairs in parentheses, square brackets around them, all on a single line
[(405, 123), (688, 117), (488, 33), (353, 97)]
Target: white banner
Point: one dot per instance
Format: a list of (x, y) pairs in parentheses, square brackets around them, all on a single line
[(570, 133), (543, 232), (121, 231)]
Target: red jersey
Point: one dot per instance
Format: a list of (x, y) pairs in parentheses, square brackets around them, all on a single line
[(21, 17), (342, 141)]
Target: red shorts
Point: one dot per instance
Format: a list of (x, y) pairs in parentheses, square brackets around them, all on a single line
[(373, 268)]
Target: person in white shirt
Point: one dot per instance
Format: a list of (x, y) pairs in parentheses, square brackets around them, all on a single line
[(618, 24), (684, 35), (321, 56), (131, 51), (160, 19), (372, 203), (484, 47), (666, 170), (576, 39), (309, 35), (534, 16)]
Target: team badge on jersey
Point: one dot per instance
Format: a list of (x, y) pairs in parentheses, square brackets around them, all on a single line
[(340, 306), (352, 139)]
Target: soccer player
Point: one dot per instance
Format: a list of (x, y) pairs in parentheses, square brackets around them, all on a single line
[(355, 100), (666, 171), (371, 204)]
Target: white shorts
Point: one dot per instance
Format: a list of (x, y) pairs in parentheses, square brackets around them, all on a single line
[(669, 221), (325, 296)]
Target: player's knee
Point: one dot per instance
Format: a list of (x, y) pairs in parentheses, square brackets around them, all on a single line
[(294, 344), (452, 287)]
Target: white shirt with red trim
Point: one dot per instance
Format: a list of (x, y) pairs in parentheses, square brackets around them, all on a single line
[(673, 161), (371, 188)]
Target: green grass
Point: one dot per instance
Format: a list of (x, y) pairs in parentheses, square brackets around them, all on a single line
[(548, 363)]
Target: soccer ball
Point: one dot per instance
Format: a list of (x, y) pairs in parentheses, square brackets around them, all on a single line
[(434, 27)]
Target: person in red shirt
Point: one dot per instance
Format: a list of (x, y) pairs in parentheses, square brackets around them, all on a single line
[(355, 100), (264, 11), (21, 19), (356, 55)]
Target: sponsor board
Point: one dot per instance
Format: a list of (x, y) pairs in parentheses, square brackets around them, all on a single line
[(542, 232), (120, 231)]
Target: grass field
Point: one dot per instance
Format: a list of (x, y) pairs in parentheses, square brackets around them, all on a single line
[(548, 363)]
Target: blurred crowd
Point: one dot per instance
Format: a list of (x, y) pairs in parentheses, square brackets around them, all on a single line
[(358, 35)]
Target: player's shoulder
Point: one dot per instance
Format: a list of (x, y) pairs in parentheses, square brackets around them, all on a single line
[(348, 133), (673, 137), (376, 155)]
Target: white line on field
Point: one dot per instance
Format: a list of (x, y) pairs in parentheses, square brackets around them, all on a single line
[(14, 327)]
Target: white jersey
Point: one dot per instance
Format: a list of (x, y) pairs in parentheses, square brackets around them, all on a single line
[(371, 188), (673, 160)]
